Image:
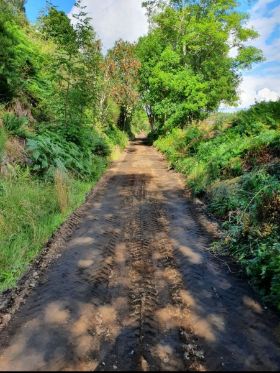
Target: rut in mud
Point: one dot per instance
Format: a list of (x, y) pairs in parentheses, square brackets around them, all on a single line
[(136, 289)]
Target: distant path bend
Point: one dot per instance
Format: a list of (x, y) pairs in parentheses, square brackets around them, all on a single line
[(136, 289)]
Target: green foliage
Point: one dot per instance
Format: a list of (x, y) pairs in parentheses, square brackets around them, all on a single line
[(206, 160), (3, 138), (51, 94), (255, 119), (74, 70), (57, 26), (29, 215), (49, 151), (234, 164), (16, 125), (186, 69), (178, 94), (56, 72), (252, 230), (116, 137), (122, 68), (20, 58), (100, 146), (139, 121)]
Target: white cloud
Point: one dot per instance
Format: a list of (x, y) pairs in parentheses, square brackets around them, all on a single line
[(259, 88), (125, 19), (261, 5), (256, 88), (116, 19), (265, 21), (267, 94)]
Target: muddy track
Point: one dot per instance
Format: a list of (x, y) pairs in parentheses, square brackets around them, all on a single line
[(135, 288)]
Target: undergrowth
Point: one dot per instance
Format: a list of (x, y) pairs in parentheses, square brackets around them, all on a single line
[(37, 197), (59, 126), (30, 212), (233, 163)]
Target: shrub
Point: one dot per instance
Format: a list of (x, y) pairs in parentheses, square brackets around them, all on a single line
[(116, 136), (49, 151), (235, 164), (223, 197), (100, 146), (16, 125), (263, 113)]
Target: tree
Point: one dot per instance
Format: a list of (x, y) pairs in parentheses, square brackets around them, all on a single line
[(123, 67), (152, 7), (75, 68), (18, 58), (15, 5), (189, 45), (19, 4)]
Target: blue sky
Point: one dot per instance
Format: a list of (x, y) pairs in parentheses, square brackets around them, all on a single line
[(115, 19), (33, 7), (263, 81)]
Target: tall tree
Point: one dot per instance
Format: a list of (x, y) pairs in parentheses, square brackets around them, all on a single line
[(188, 52), (123, 67), (17, 57), (75, 67), (17, 5)]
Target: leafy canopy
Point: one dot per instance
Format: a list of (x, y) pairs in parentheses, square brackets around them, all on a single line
[(187, 69)]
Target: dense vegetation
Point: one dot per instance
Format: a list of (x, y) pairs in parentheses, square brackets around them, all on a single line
[(63, 116), (187, 70), (66, 110), (232, 161)]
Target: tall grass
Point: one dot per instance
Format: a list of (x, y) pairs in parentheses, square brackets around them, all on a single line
[(30, 211), (3, 139), (61, 188), (33, 207)]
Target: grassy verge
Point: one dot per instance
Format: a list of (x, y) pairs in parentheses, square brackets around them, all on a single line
[(31, 210), (233, 163)]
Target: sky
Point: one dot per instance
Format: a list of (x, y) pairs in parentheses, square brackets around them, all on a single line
[(125, 19)]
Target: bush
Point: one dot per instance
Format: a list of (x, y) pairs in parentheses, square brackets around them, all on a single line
[(16, 125), (100, 146), (49, 151), (116, 137), (263, 113), (234, 162), (223, 197)]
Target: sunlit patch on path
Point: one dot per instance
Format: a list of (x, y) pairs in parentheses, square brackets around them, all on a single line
[(136, 289)]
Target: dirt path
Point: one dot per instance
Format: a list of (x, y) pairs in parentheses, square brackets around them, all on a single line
[(136, 289)]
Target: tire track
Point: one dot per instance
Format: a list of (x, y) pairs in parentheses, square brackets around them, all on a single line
[(188, 354), (151, 253), (142, 292), (135, 289)]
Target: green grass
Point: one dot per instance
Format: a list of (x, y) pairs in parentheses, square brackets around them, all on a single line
[(233, 164), (32, 208), (3, 138), (30, 213)]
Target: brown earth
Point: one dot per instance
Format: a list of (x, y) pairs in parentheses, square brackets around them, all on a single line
[(135, 288)]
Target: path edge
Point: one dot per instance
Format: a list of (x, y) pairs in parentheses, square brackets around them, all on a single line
[(12, 298)]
